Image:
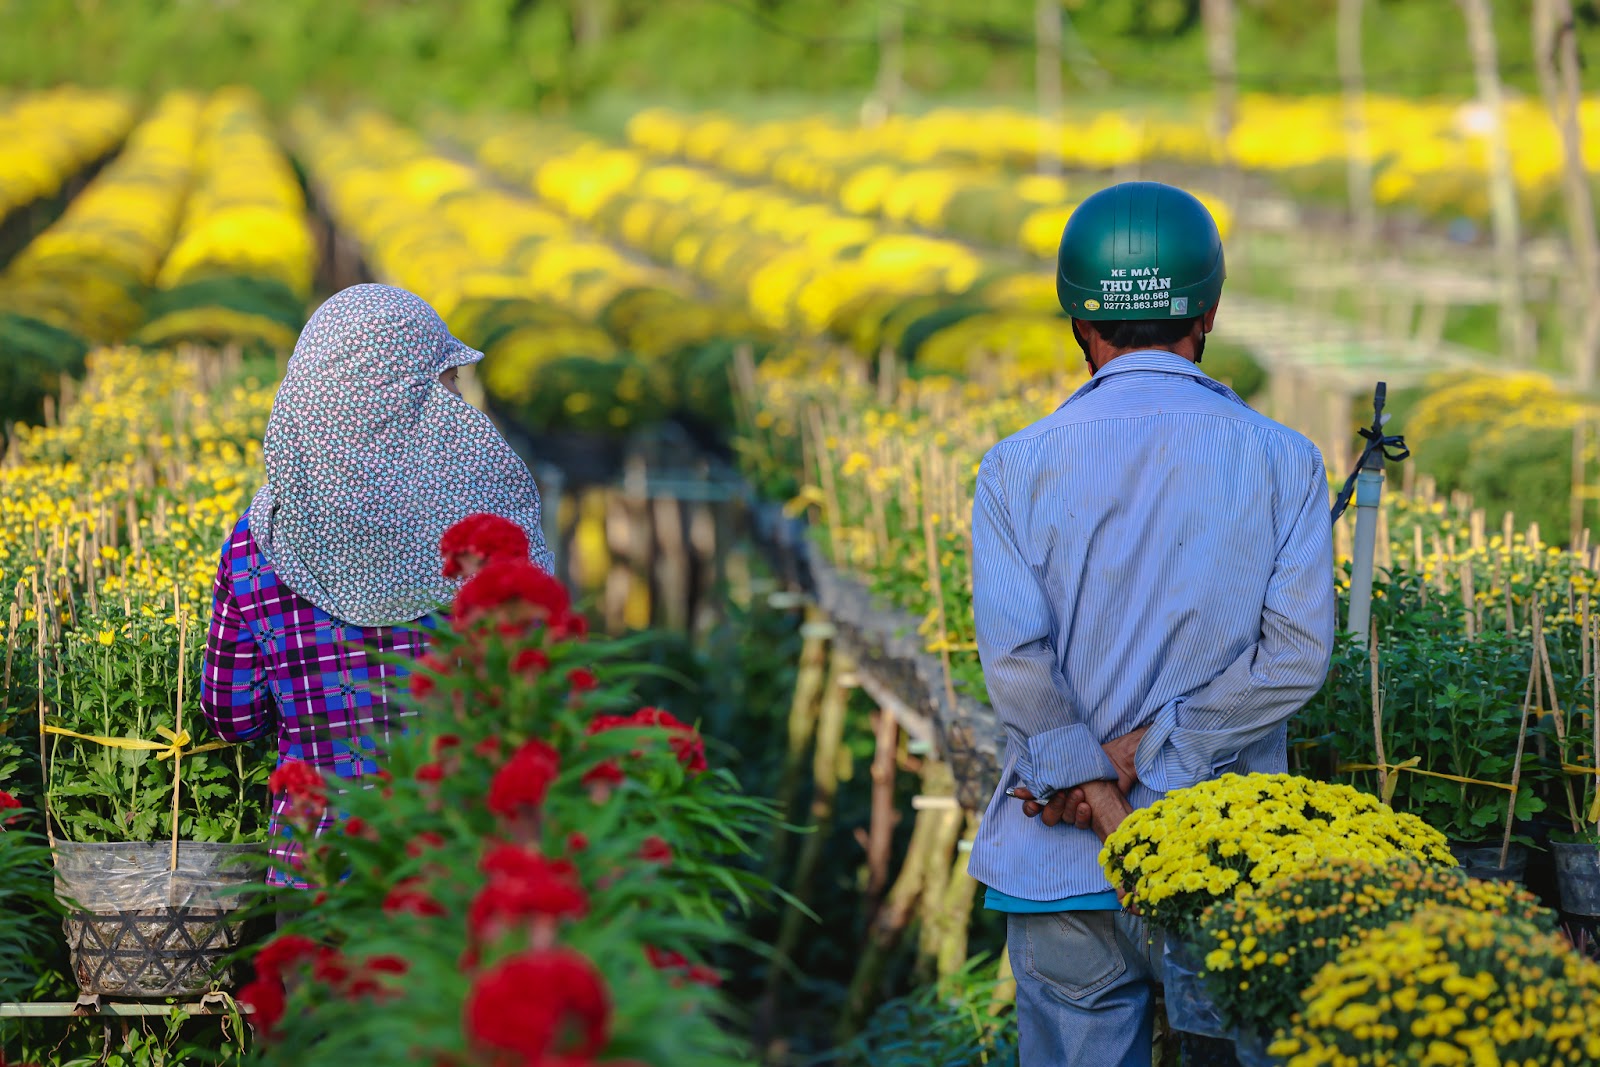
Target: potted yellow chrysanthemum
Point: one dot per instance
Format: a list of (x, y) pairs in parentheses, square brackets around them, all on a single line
[(1223, 839)]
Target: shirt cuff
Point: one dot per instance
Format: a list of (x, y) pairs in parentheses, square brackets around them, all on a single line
[(1173, 757), (1062, 758)]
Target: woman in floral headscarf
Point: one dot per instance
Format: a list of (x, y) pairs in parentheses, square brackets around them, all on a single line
[(371, 455)]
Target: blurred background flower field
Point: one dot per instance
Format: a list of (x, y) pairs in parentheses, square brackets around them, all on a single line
[(758, 282)]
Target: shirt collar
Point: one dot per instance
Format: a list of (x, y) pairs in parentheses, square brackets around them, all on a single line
[(1153, 361)]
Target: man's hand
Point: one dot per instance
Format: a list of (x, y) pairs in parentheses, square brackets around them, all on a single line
[(1108, 806), (1064, 805), (1121, 753), (1097, 806)]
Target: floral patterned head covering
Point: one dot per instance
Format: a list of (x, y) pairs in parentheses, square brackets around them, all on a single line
[(370, 459)]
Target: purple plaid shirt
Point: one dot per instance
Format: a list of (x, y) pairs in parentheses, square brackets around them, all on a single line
[(274, 660)]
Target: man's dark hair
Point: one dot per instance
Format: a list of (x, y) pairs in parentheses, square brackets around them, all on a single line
[(1139, 333)]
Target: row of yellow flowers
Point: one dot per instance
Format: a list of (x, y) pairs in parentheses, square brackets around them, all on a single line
[(87, 273), (801, 266), (47, 137), (867, 172), (574, 331), (241, 268), (1432, 155)]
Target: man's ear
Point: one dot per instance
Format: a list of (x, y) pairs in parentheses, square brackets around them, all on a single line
[(1208, 320)]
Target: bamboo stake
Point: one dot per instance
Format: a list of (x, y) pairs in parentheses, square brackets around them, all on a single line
[(830, 492), (825, 773), (880, 841), (1594, 707), (1469, 600), (1516, 764), (953, 916), (1542, 650), (889, 925), (1377, 712), (177, 755), (803, 709), (44, 765)]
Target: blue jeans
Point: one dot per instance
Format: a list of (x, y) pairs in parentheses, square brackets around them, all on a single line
[(1086, 984)]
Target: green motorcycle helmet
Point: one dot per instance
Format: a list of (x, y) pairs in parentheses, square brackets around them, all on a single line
[(1139, 250)]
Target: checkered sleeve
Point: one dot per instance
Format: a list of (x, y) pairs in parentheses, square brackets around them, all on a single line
[(234, 694)]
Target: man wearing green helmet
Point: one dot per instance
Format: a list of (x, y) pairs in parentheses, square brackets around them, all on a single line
[(1153, 595)]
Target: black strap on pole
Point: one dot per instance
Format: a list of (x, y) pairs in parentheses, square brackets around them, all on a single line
[(1380, 447)]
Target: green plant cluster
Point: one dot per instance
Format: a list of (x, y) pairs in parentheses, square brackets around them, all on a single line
[(118, 678), (654, 852)]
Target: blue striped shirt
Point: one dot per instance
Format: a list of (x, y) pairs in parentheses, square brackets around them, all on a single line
[(1157, 554)]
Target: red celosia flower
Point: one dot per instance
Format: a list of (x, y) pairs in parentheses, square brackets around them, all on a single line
[(528, 1003), (488, 748), (409, 898), (524, 885), (686, 742), (422, 842), (330, 968), (423, 683), (602, 778), (577, 841), (478, 539), (445, 742), (531, 662), (511, 592), (283, 951), (430, 773), (388, 965), (581, 679), (655, 850), (667, 960), (356, 826), (524, 780), (264, 997), (9, 803), (307, 790)]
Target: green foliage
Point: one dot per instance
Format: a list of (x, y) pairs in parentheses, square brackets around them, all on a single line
[(431, 831), (27, 902), (33, 356), (946, 1024), (526, 53), (1450, 701), (119, 679), (1235, 367)]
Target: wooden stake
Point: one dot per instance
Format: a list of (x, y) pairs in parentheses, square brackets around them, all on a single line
[(1516, 764), (1377, 713), (880, 842)]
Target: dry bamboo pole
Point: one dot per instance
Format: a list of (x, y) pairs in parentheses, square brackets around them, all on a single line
[(888, 926), (1047, 82), (825, 781), (1555, 56), (1514, 332), (1542, 653), (803, 710), (671, 566), (880, 837), (1377, 714), (942, 855), (1593, 632), (951, 920), (1358, 149), (1516, 763)]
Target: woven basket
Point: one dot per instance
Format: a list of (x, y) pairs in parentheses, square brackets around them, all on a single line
[(136, 927)]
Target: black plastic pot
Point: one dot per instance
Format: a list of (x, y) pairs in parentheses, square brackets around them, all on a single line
[(1578, 876), (1481, 859)]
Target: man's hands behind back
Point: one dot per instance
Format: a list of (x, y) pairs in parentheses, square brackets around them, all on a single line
[(1099, 805)]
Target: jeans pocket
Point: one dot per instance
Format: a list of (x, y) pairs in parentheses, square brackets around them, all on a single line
[(1074, 952)]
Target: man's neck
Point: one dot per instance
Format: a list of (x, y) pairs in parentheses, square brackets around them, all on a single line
[(1184, 348)]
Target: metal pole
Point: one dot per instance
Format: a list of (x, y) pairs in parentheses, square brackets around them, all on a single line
[(1369, 495)]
